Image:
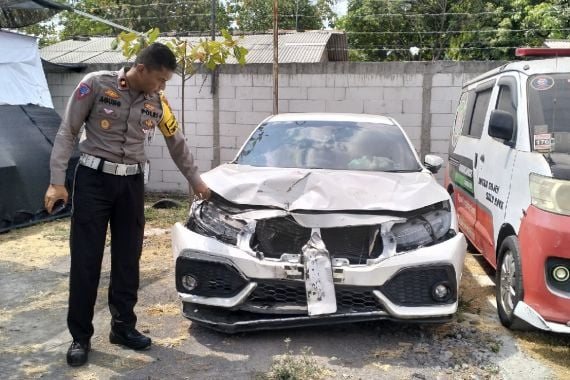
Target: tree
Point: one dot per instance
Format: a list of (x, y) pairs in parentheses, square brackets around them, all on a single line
[(178, 16), (257, 15), (445, 29), (45, 32), (188, 57)]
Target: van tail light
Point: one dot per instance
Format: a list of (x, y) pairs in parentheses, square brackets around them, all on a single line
[(550, 194)]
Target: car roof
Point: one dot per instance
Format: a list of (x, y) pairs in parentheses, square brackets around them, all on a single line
[(528, 67), (329, 116)]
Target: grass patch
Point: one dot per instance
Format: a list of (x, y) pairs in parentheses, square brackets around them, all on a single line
[(466, 305), (165, 218), (296, 367)]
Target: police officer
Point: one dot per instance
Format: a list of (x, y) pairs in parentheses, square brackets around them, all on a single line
[(119, 110)]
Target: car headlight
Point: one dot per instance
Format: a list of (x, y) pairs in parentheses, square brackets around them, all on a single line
[(424, 229), (209, 220), (550, 194)]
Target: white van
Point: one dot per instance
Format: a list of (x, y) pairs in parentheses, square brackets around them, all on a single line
[(509, 176)]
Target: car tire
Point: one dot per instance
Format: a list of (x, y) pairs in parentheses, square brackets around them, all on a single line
[(509, 284)]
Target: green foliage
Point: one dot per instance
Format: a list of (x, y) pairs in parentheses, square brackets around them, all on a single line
[(442, 29), (166, 15), (45, 31), (77, 25), (257, 15), (206, 52)]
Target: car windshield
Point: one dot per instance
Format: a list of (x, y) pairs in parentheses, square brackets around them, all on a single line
[(340, 145), (549, 113)]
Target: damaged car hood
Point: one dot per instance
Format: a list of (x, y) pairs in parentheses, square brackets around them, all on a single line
[(324, 190)]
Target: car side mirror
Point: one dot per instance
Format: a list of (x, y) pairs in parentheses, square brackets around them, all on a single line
[(433, 163), (501, 125)]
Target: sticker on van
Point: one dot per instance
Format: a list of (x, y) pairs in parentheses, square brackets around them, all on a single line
[(542, 83), (543, 142)]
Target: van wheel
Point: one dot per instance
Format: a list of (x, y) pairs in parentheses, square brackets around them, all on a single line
[(509, 285)]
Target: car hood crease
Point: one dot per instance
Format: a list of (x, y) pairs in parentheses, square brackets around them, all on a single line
[(324, 190)]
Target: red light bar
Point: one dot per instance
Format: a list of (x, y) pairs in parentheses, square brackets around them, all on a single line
[(542, 52)]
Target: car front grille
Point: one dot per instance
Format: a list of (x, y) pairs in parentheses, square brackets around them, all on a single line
[(280, 294), (283, 235)]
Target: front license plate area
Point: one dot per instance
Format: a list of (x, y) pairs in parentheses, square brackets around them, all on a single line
[(319, 285)]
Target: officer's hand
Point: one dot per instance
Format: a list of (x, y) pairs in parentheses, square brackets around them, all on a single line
[(53, 194), (202, 191)]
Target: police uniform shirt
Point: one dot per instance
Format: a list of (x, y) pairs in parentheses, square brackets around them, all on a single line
[(117, 122)]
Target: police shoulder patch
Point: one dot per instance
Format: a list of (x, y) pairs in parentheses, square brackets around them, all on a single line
[(83, 91)]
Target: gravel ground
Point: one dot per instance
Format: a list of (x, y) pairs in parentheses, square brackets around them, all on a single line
[(34, 268)]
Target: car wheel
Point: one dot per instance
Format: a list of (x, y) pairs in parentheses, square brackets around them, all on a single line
[(509, 285)]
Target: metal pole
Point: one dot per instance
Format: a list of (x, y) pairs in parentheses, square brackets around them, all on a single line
[(296, 15), (275, 58), (183, 85), (216, 150), (213, 31)]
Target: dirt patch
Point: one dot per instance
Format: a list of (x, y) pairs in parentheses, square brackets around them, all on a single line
[(34, 266), (478, 297)]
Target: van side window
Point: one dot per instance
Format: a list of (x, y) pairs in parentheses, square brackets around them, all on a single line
[(459, 117), (505, 102), (479, 112)]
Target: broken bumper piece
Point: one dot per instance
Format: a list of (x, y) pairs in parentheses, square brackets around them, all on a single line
[(235, 322), (229, 290)]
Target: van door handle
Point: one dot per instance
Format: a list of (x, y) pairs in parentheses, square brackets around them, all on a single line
[(482, 158), (475, 163)]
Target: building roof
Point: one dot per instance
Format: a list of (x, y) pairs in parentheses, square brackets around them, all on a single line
[(563, 44), (294, 47)]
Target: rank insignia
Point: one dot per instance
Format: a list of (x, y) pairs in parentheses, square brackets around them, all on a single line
[(149, 124), (149, 107), (111, 94), (82, 91), (123, 83), (105, 124)]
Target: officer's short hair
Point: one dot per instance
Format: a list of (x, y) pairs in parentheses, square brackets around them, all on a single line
[(156, 57)]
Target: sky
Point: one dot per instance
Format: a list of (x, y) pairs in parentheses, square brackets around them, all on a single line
[(340, 7)]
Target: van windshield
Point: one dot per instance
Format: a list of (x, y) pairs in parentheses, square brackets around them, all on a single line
[(549, 112)]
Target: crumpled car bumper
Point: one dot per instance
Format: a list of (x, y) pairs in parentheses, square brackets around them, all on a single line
[(230, 290)]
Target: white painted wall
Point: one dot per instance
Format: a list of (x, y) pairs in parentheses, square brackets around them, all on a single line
[(421, 96)]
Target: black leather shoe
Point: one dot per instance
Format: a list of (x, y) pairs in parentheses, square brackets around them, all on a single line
[(77, 353), (130, 338)]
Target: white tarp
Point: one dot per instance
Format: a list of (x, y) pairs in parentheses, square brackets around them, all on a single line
[(22, 78)]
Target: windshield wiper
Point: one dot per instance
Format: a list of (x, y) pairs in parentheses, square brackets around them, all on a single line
[(402, 171)]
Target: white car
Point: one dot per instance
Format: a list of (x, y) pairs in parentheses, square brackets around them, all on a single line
[(320, 219)]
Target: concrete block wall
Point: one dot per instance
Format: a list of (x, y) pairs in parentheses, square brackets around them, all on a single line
[(421, 96)]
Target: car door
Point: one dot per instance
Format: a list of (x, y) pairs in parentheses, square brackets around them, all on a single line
[(493, 167), (463, 155)]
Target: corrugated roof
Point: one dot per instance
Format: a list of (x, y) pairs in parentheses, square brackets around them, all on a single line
[(560, 44), (296, 47)]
